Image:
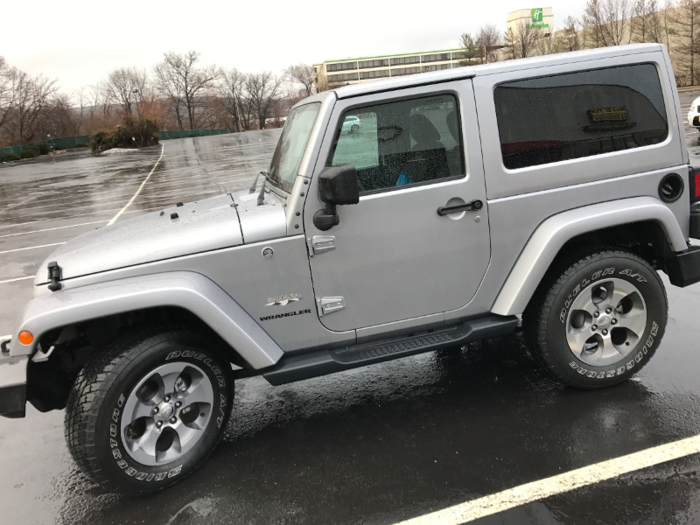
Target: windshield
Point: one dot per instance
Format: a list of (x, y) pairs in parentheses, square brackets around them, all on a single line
[(290, 148)]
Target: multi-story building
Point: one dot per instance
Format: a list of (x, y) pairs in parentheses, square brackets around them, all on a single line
[(334, 73)]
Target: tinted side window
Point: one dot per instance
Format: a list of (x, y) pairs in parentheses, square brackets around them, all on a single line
[(560, 117), (401, 143)]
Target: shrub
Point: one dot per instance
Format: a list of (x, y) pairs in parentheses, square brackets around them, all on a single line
[(131, 134), (9, 157), (29, 153), (43, 148)]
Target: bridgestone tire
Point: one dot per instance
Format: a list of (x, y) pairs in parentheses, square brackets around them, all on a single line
[(545, 320), (96, 406)]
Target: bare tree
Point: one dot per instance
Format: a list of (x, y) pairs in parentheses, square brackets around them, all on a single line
[(125, 87), (263, 90), (488, 40), (231, 91), (302, 74), (686, 19), (30, 97), (607, 20), (571, 31), (7, 92), (522, 41), (178, 79)]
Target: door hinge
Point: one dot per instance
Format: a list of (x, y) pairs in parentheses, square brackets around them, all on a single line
[(329, 305), (321, 243)]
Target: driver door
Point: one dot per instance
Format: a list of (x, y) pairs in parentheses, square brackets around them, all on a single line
[(392, 257)]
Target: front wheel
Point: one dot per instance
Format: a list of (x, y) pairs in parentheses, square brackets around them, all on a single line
[(354, 129), (597, 318), (149, 410)]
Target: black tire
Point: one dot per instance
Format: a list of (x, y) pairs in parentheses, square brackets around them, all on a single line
[(354, 129), (96, 404), (546, 319)]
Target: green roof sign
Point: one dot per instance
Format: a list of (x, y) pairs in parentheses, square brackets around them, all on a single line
[(537, 17)]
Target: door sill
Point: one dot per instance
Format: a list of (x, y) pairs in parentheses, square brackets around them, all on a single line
[(322, 362)]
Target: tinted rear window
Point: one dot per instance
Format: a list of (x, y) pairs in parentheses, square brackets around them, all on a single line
[(574, 115)]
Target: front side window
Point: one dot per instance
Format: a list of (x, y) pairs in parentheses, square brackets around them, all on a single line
[(574, 115), (292, 144), (401, 143)]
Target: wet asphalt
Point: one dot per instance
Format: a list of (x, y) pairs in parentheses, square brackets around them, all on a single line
[(372, 445)]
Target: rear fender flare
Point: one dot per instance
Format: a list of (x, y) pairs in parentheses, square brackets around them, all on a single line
[(188, 290), (553, 233)]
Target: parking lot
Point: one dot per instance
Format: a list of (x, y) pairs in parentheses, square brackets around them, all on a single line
[(374, 445)]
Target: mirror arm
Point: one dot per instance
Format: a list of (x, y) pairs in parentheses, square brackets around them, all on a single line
[(326, 218)]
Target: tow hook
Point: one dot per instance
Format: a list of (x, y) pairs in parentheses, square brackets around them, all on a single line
[(5, 347)]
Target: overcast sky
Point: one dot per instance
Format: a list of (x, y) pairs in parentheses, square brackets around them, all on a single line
[(80, 42)]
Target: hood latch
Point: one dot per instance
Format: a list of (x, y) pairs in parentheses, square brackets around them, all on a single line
[(54, 276)]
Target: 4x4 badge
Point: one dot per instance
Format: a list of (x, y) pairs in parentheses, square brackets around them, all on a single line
[(284, 300)]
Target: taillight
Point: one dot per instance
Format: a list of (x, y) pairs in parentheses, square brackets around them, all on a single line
[(694, 185)]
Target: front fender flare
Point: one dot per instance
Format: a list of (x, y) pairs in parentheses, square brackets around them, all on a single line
[(553, 233), (191, 291)]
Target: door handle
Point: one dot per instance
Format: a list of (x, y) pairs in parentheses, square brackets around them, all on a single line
[(469, 206)]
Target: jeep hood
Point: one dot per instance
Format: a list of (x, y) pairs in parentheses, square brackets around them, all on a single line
[(215, 223)]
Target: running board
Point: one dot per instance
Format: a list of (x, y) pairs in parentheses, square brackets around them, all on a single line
[(322, 362)]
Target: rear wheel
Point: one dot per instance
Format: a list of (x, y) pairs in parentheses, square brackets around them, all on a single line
[(597, 318), (150, 410)]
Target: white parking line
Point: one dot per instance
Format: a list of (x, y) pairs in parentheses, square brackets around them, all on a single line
[(544, 488), (17, 279), (114, 219), (51, 229), (33, 247)]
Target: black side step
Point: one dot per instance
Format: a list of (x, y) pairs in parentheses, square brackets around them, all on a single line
[(322, 362)]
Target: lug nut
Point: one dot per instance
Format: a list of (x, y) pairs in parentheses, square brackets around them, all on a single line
[(605, 332), (594, 327), (608, 310), (614, 321), (159, 424), (173, 420), (596, 314), (167, 398), (178, 404), (155, 410)]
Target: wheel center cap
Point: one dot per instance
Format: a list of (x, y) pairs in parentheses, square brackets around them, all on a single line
[(166, 411), (604, 321)]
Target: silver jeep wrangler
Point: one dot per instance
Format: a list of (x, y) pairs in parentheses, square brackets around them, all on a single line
[(547, 191)]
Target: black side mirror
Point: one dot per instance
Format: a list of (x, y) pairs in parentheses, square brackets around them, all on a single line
[(337, 185)]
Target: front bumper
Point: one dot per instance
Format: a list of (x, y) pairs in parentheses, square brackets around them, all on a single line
[(13, 384)]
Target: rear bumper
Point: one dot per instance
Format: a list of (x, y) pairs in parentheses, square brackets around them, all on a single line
[(683, 268), (13, 385)]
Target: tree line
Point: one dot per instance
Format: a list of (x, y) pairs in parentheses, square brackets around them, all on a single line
[(178, 93), (675, 23)]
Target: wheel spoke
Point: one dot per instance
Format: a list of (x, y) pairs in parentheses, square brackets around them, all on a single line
[(142, 410), (169, 382), (635, 321), (199, 393), (607, 349), (577, 339)]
